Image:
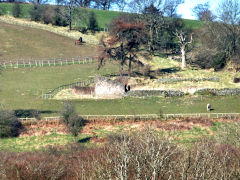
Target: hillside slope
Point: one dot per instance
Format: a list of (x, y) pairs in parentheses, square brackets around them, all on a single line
[(19, 42)]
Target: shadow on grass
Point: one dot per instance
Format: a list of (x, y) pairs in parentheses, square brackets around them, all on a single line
[(29, 113), (84, 140), (168, 70)]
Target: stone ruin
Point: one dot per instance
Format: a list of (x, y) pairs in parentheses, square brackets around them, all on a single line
[(103, 88), (106, 88)]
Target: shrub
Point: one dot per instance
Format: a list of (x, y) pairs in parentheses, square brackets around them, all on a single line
[(17, 10), (73, 122), (48, 15), (59, 18), (236, 80), (29, 113), (219, 61), (9, 124), (2, 10), (93, 25), (36, 12)]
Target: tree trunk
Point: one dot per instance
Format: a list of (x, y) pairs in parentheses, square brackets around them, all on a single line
[(183, 52), (130, 66), (70, 19)]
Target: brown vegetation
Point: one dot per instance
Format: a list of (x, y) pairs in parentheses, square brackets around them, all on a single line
[(134, 156)]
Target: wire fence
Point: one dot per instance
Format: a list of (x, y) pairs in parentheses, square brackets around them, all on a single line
[(141, 116), (47, 62), (54, 91)]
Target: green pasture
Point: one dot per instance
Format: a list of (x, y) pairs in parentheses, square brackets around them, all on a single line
[(19, 42), (33, 143)]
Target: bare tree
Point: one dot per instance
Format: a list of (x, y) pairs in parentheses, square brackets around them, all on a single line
[(184, 40), (170, 7), (121, 4), (70, 6), (221, 40), (104, 4), (203, 12)]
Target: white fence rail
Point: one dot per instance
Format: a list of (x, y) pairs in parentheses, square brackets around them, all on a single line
[(143, 116), (47, 62)]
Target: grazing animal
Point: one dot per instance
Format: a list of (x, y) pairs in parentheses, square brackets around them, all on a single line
[(79, 41)]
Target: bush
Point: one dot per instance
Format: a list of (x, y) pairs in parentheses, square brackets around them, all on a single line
[(73, 122), (93, 25), (17, 10), (48, 15), (2, 10), (9, 124), (36, 12), (219, 61), (59, 18)]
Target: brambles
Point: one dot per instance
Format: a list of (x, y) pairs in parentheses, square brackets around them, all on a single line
[(142, 155), (73, 122), (9, 124)]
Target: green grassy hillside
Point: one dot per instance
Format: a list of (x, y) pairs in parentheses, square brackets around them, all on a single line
[(103, 17)]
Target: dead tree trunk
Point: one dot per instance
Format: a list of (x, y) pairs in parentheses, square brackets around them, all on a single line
[(182, 40)]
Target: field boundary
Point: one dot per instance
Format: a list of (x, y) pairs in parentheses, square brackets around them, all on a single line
[(47, 62), (54, 91), (141, 116)]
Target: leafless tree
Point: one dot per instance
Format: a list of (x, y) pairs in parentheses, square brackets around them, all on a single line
[(221, 40), (170, 7), (103, 4), (121, 4), (184, 39), (203, 12)]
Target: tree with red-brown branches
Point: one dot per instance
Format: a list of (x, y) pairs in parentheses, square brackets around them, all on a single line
[(125, 43)]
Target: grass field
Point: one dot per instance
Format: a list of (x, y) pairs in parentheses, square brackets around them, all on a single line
[(18, 42), (33, 143), (22, 88)]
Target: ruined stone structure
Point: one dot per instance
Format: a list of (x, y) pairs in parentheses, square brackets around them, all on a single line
[(106, 88)]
